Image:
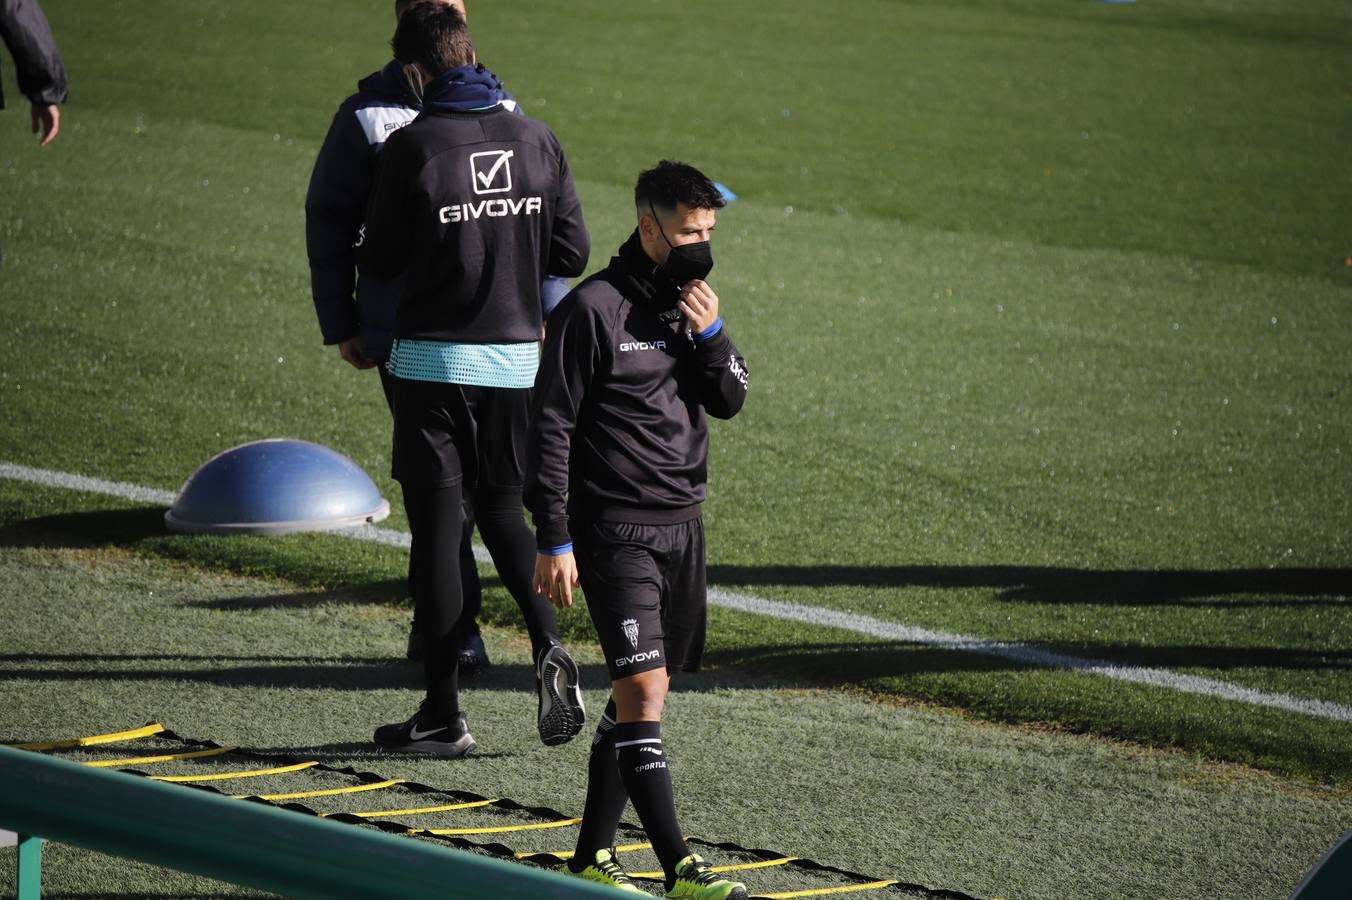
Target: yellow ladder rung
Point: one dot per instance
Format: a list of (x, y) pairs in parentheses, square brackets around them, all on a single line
[(146, 760), (736, 867), (419, 810), (112, 737), (329, 792), (225, 776), (847, 889), (568, 854), (562, 823)]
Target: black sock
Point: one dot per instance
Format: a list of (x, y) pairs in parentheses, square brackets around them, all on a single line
[(606, 795), (642, 761)]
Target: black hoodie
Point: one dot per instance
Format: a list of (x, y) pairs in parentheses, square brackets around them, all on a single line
[(474, 205), (618, 432)]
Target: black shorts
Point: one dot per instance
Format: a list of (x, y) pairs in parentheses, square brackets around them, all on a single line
[(646, 592), (444, 433)]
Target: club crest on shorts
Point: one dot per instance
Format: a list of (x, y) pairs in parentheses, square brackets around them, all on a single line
[(630, 627)]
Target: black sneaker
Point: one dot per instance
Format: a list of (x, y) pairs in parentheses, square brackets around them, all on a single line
[(421, 734), (471, 654), (561, 713)]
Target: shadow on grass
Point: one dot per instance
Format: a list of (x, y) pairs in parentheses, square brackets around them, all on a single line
[(224, 671), (346, 673), (360, 753), (851, 663), (1226, 589), (144, 529), (118, 527)]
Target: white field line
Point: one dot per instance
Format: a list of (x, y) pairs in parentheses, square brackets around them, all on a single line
[(812, 615)]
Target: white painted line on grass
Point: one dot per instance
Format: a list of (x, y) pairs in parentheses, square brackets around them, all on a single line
[(1188, 684), (89, 485), (812, 615)]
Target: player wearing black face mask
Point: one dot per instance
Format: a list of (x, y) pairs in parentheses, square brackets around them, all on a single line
[(686, 262), (616, 464)]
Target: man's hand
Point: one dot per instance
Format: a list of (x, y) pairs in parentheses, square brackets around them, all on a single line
[(46, 122), (699, 304), (555, 578), (350, 350)]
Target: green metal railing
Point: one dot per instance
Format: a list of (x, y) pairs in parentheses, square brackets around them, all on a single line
[(243, 842)]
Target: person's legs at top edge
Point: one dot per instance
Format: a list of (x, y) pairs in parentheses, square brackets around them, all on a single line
[(501, 416), (428, 468)]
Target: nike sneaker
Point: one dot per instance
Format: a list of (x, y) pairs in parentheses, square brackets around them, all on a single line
[(695, 881), (421, 734), (561, 713), (471, 654), (604, 870)]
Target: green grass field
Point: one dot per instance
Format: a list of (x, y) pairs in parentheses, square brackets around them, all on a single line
[(1048, 310)]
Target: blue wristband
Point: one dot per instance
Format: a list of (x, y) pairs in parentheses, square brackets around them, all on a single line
[(556, 551), (711, 330)]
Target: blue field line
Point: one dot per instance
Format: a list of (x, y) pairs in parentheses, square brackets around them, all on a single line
[(812, 615)]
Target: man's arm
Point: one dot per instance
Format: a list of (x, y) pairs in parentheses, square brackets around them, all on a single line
[(42, 77), (387, 231), (570, 244), (567, 363), (722, 372), (334, 206)]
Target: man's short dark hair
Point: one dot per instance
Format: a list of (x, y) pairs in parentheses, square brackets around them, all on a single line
[(669, 183), (434, 36)]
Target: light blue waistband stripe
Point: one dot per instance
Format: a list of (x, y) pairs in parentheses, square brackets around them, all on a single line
[(485, 365)]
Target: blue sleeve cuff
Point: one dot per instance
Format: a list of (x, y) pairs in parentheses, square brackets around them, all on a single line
[(556, 551), (711, 330)]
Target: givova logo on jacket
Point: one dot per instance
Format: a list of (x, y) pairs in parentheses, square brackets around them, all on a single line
[(490, 172)]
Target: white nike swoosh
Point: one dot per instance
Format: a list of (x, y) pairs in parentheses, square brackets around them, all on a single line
[(415, 735), (487, 177)]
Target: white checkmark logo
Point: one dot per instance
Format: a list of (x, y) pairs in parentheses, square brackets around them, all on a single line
[(415, 735), (482, 180)]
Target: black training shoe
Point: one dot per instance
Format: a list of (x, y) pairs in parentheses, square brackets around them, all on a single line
[(421, 734), (471, 654), (561, 713), (415, 644)]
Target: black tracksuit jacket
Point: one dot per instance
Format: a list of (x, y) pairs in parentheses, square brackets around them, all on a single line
[(474, 208), (24, 30), (618, 432)]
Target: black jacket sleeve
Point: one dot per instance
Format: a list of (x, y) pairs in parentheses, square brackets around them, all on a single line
[(24, 29), (334, 207), (387, 232), (723, 376), (570, 245), (568, 360)]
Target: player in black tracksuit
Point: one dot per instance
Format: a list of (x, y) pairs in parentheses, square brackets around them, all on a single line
[(473, 204), (356, 309), (634, 359)]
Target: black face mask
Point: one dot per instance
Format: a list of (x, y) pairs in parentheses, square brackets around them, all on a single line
[(685, 262)]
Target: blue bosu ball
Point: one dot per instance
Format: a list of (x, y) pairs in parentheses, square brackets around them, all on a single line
[(276, 486)]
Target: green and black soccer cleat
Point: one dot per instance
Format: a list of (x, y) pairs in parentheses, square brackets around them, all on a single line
[(696, 881), (604, 870)]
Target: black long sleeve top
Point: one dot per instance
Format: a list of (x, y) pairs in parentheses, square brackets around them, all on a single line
[(37, 62), (619, 431), (474, 208)]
